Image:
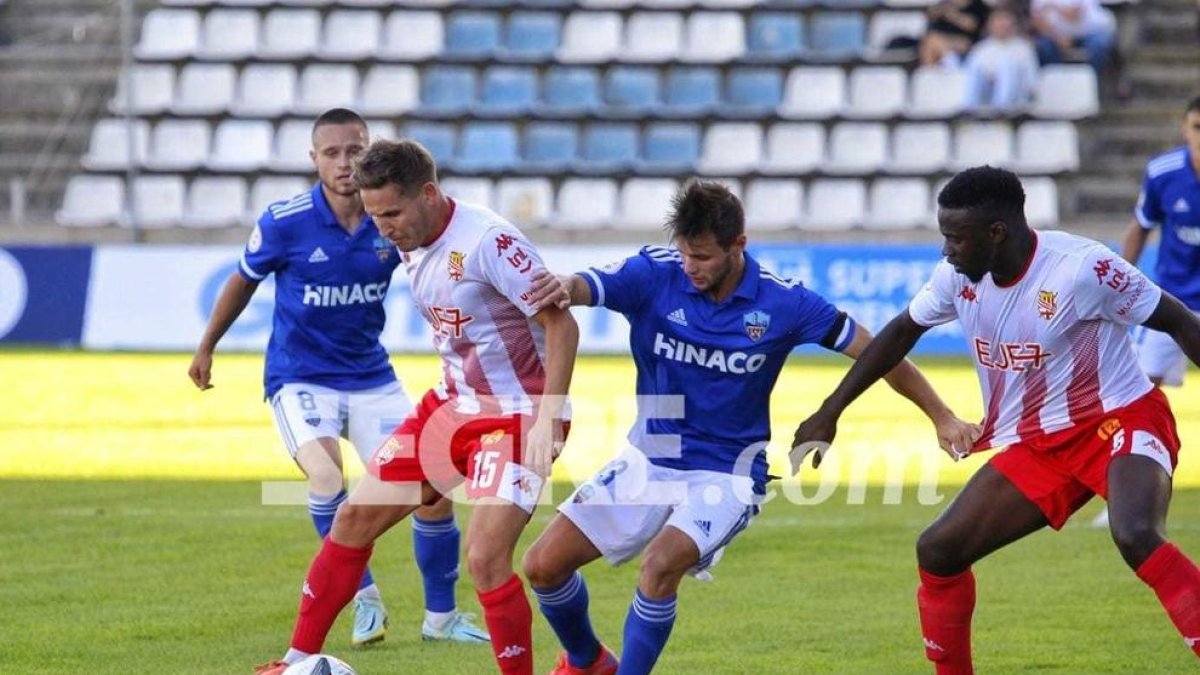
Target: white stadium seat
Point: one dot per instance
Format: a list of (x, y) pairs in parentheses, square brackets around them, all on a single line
[(1066, 91), (266, 90), (350, 34), (877, 92), (731, 148), (92, 201), (644, 203), (1047, 147), (586, 203), (774, 204), (290, 34), (215, 201), (229, 35), (936, 93), (978, 143), (292, 144), (857, 148), (412, 35), (814, 92), (168, 34), (525, 201), (794, 147), (653, 36), (324, 86), (898, 203), (389, 90), (919, 148), (1041, 201), (476, 191), (241, 145), (109, 145), (205, 89), (590, 37), (179, 145), (158, 201), (886, 25), (270, 189), (835, 204), (714, 37), (153, 89)]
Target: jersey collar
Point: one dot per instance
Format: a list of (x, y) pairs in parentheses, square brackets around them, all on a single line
[(327, 217), (445, 226)]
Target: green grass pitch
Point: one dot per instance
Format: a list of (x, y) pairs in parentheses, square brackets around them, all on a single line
[(134, 538)]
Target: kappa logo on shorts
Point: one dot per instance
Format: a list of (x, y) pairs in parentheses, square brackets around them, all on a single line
[(1107, 428)]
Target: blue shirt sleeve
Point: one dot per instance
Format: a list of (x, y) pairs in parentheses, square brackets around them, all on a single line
[(817, 321), (622, 286), (1149, 211), (265, 252)]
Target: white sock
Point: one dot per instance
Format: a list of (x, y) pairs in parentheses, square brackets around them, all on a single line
[(370, 592), (439, 620), (294, 656)]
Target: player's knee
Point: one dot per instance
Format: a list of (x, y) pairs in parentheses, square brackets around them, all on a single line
[(1136, 539), (661, 572), (488, 564), (539, 569), (936, 553), (325, 479)]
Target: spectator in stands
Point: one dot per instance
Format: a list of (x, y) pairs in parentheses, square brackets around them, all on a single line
[(954, 26), (1002, 69), (1063, 26)]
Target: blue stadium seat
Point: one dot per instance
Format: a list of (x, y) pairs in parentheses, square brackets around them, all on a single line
[(838, 35), (752, 92), (570, 91), (550, 147), (775, 36), (670, 148), (437, 138), (507, 90), (631, 90), (487, 146), (692, 91), (472, 35), (608, 148), (447, 90), (532, 35)]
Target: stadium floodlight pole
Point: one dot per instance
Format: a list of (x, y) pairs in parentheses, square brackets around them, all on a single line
[(131, 170)]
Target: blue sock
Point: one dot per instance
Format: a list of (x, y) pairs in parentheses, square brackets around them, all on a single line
[(566, 610), (322, 510), (647, 627), (435, 546)]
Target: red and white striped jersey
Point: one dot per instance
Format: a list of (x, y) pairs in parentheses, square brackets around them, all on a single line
[(1051, 348), (471, 285)]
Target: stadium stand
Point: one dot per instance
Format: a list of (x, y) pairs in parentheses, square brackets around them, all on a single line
[(801, 103)]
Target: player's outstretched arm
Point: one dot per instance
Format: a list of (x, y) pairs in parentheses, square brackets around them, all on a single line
[(1174, 319), (875, 360), (234, 297), (562, 342), (559, 290)]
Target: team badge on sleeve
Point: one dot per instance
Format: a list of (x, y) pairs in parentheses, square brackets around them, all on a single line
[(1047, 302), (255, 242), (756, 323)]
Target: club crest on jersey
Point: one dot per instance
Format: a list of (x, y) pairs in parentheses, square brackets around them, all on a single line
[(967, 293), (1047, 303), (383, 249), (756, 323), (455, 265)]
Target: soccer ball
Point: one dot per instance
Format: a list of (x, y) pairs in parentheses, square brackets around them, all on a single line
[(320, 664)]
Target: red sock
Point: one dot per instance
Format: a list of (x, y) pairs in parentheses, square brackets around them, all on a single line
[(946, 605), (1176, 582), (510, 621), (332, 581)]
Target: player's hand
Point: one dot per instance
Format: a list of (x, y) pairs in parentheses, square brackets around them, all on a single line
[(201, 370), (956, 436), (550, 290), (543, 446), (814, 435)]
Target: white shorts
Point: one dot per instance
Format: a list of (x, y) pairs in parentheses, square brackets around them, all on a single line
[(629, 501), (306, 412), (1159, 356)]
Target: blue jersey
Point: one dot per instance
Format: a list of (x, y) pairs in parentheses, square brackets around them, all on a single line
[(1170, 199), (722, 358), (329, 292)]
